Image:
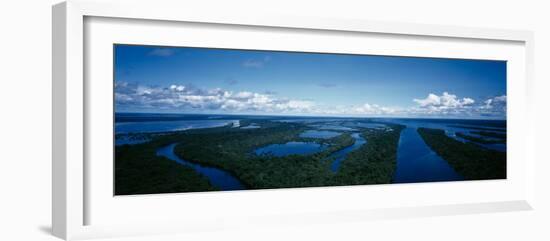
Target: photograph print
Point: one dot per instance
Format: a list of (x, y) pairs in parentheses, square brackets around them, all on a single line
[(190, 119)]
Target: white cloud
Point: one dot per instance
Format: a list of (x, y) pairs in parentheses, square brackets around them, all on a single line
[(494, 106), (187, 97), (450, 105), (495, 102), (430, 100), (445, 101), (442, 105), (244, 95), (468, 101), (300, 105), (177, 87), (501, 98), (373, 109)]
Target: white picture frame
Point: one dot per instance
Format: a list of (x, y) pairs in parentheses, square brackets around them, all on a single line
[(71, 113)]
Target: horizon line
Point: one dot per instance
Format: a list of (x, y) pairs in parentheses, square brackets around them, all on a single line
[(319, 116)]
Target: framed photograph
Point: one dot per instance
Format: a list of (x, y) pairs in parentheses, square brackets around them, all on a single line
[(179, 121)]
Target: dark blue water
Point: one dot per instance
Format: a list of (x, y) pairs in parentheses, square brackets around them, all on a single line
[(451, 127), (319, 134), (341, 154), (290, 148), (416, 162), (217, 177)]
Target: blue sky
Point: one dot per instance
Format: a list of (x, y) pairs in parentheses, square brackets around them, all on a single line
[(201, 80)]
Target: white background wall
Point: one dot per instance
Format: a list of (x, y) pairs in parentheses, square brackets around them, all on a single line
[(25, 133)]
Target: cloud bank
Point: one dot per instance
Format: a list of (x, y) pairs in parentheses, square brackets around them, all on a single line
[(444, 101), (448, 104), (187, 98)]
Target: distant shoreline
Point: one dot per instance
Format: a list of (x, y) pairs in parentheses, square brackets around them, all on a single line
[(306, 116)]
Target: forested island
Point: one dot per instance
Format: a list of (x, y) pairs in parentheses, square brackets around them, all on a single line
[(138, 170), (470, 160)]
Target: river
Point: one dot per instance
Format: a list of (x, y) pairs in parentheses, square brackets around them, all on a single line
[(416, 162), (341, 154), (218, 178)]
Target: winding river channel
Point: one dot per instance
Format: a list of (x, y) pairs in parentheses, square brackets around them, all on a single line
[(226, 181), (341, 154), (217, 177)]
